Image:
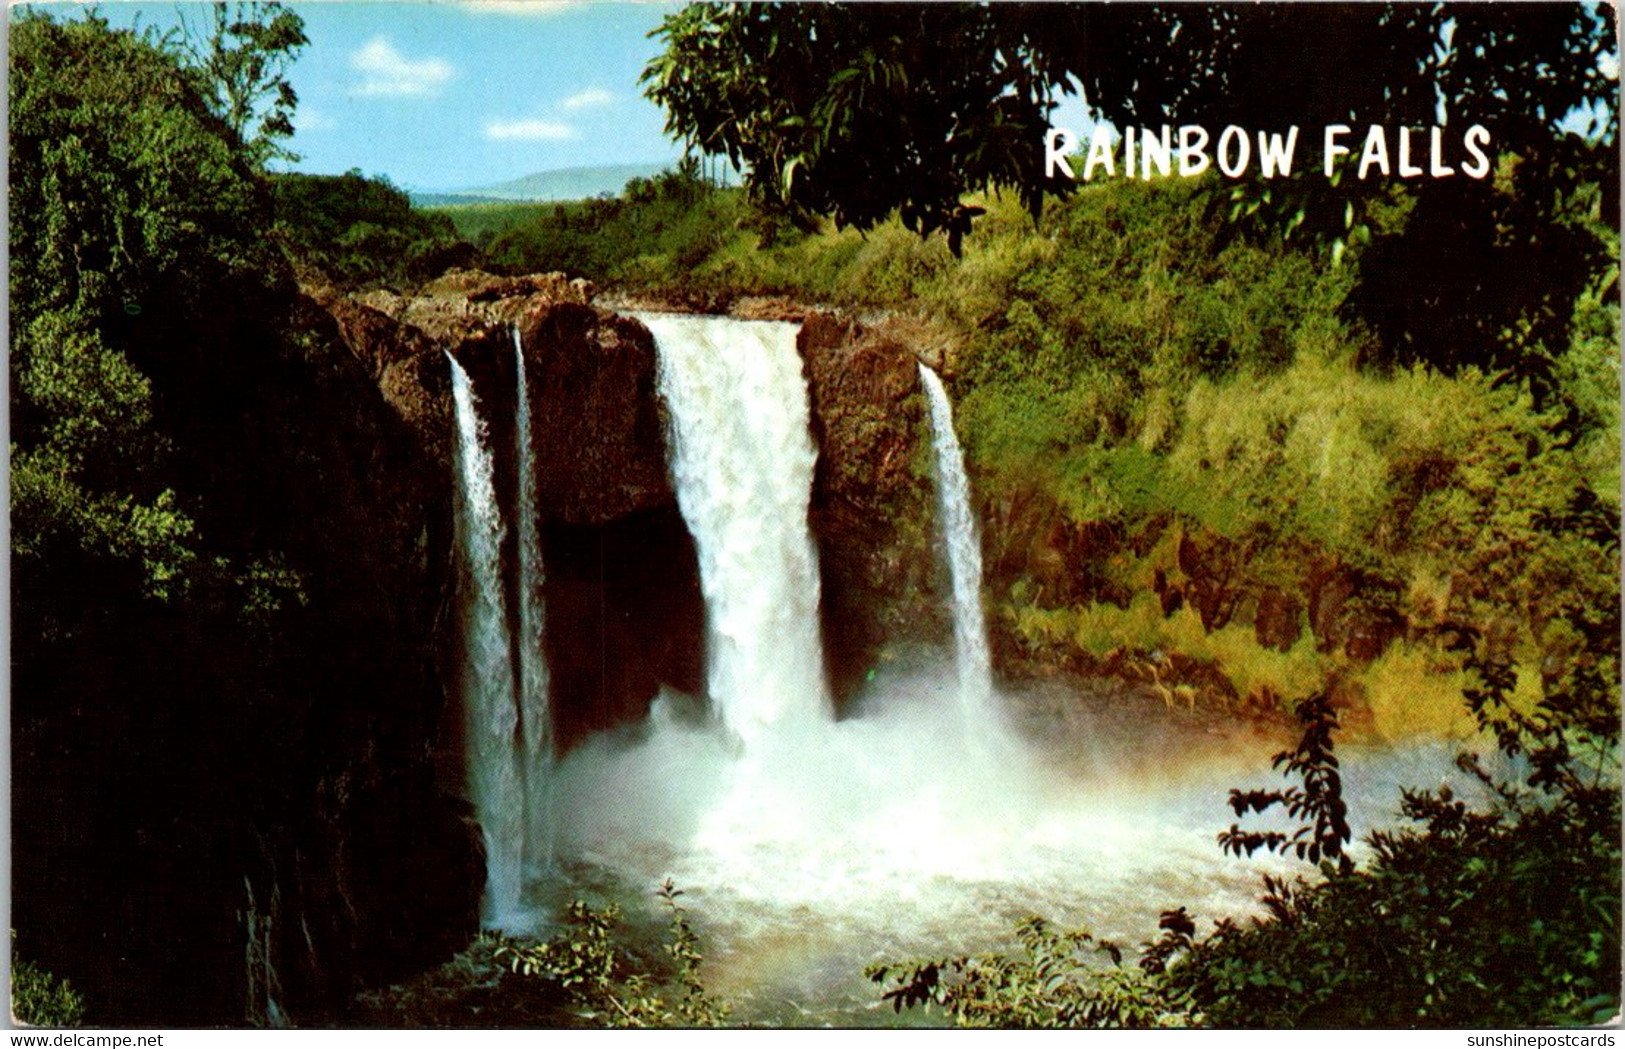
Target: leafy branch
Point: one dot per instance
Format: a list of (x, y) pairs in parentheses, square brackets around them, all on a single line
[(601, 981), (1319, 800)]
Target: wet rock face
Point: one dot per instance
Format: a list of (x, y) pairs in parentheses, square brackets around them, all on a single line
[(625, 616), (1279, 621), (605, 497), (598, 434), (597, 429), (873, 508)]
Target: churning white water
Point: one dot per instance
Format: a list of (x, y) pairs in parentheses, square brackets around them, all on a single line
[(490, 717), (742, 459), (535, 714)]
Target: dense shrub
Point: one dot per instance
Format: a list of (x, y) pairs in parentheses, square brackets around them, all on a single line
[(42, 1000), (605, 986), (361, 231)]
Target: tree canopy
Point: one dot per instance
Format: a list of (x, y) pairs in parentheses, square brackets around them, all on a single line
[(132, 209)]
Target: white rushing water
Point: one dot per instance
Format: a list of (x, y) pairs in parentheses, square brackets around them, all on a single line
[(742, 459), (535, 714), (963, 543), (490, 716)]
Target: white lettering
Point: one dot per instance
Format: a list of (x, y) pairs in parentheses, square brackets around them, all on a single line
[(1375, 152), (1275, 156), (1334, 148), (1058, 145)]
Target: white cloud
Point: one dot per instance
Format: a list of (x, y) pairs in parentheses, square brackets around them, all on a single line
[(309, 118), (530, 130), (518, 8), (388, 72), (593, 96)]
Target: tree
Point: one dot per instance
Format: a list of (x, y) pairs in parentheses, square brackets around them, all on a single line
[(244, 57), (940, 99), (857, 110)]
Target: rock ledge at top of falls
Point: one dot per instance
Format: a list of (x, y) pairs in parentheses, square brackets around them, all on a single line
[(598, 435), (717, 304)]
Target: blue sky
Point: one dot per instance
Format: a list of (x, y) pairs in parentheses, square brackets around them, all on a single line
[(451, 95)]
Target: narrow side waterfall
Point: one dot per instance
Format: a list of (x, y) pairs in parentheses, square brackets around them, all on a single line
[(964, 547), (491, 717), (743, 457), (535, 714)]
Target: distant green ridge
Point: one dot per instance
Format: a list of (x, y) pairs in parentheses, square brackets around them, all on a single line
[(559, 184)]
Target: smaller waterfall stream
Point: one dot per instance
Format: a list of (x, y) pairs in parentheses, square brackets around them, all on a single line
[(490, 715), (964, 548), (535, 714)]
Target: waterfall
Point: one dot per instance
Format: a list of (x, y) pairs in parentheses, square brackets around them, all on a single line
[(491, 717), (742, 459), (536, 719), (964, 548)]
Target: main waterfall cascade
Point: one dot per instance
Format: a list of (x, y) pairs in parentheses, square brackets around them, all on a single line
[(742, 457)]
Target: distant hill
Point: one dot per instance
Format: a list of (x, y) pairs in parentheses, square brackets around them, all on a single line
[(438, 200), (561, 184)]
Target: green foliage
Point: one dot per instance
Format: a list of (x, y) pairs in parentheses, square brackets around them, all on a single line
[(359, 231), (114, 253), (1132, 298), (128, 195), (84, 460), (1470, 511), (654, 234), (838, 110), (1053, 982), (1319, 800), (481, 223), (42, 1000), (244, 60), (1448, 286), (1502, 917), (606, 986)]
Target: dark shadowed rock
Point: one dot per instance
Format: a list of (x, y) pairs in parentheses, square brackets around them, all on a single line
[(1279, 621)]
